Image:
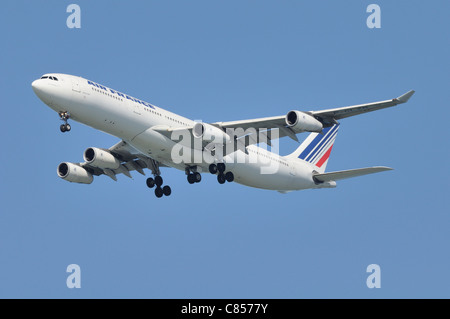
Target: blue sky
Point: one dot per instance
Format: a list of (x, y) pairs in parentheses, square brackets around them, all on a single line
[(218, 61)]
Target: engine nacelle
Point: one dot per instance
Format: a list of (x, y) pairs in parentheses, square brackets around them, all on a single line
[(302, 122), (100, 158), (74, 173), (210, 133)]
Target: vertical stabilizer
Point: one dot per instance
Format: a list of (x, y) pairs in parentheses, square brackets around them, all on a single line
[(317, 147)]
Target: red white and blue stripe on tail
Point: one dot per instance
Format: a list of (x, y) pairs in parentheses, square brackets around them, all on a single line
[(317, 147)]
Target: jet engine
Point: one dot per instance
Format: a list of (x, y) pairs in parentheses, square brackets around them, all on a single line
[(74, 173), (210, 133), (100, 158), (302, 122)]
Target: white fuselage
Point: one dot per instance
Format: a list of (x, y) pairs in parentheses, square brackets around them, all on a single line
[(133, 120)]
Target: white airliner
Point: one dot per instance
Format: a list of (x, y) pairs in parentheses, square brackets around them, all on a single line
[(147, 139)]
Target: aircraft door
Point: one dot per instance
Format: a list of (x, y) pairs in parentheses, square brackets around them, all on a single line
[(75, 85), (292, 169), (135, 106)]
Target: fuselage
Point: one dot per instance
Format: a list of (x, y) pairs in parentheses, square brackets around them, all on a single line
[(133, 120)]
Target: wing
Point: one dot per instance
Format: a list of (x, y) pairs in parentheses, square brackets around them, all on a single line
[(131, 160), (332, 115), (326, 117), (267, 128)]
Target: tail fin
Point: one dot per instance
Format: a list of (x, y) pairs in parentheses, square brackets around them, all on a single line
[(317, 147)]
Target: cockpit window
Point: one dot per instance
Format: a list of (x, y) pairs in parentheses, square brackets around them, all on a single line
[(54, 78)]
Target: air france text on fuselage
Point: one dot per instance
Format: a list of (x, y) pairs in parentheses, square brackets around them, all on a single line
[(120, 94)]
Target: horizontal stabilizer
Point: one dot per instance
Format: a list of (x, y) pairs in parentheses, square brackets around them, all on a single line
[(334, 176)]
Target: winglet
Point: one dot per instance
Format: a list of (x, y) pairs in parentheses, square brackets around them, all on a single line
[(405, 97)]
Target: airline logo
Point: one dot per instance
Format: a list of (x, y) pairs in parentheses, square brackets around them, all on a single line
[(318, 151), (120, 94)]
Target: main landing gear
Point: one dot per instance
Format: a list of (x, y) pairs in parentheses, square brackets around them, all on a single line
[(193, 176), (65, 117), (219, 169), (159, 191)]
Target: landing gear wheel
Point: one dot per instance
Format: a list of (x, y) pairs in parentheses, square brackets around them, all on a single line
[(213, 168), (221, 167), (197, 177), (158, 181), (64, 117), (150, 182), (229, 176), (191, 179), (159, 192), (166, 190), (221, 178)]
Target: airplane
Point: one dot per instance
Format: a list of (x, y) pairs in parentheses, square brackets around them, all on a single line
[(149, 134)]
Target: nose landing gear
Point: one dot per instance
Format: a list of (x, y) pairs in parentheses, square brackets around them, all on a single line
[(64, 117)]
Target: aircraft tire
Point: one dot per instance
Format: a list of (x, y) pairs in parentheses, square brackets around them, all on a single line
[(150, 182), (158, 180), (221, 178), (167, 190), (159, 192), (229, 176)]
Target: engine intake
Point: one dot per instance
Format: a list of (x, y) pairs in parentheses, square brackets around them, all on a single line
[(74, 173), (302, 122), (100, 158), (210, 133)]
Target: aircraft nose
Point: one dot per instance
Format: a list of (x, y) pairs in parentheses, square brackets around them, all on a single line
[(37, 86), (42, 90)]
